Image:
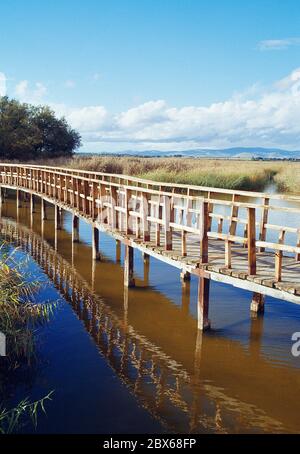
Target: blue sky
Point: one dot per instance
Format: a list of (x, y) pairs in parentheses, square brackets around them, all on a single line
[(159, 74)]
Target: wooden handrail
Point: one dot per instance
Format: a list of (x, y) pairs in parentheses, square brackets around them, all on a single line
[(132, 205)]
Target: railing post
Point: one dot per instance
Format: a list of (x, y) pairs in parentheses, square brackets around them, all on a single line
[(168, 217), (251, 241), (278, 258), (263, 222), (145, 214), (128, 227), (204, 224), (158, 214)]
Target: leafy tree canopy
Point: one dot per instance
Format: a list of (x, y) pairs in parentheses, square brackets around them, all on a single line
[(34, 132)]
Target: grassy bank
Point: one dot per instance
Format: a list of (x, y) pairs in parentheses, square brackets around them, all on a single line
[(220, 173), (244, 175)]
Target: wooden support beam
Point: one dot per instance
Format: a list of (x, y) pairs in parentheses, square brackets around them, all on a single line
[(75, 229), (129, 267), (185, 276), (57, 217), (203, 304), (19, 198), (95, 243), (251, 231), (257, 303), (32, 204), (118, 251), (43, 210)]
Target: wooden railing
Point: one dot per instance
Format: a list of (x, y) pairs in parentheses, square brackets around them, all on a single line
[(140, 207)]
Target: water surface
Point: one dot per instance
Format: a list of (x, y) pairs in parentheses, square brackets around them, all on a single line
[(128, 361)]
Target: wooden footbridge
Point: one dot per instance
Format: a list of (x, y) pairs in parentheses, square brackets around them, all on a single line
[(247, 239)]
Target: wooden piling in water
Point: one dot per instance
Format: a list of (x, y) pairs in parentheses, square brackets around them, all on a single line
[(118, 251), (203, 304), (75, 229), (95, 243), (43, 210), (257, 303), (32, 204), (129, 280), (57, 217)]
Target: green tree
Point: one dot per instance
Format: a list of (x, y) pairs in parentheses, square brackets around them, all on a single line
[(30, 132)]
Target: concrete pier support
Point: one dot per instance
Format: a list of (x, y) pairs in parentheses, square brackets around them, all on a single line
[(75, 229), (203, 304), (128, 267), (57, 217), (257, 303), (95, 243)]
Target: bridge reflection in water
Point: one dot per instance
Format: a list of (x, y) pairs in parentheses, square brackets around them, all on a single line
[(188, 382)]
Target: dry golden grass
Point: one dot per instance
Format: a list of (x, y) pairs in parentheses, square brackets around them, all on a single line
[(247, 175), (221, 173)]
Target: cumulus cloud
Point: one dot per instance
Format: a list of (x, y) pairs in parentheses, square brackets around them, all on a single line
[(259, 116), (2, 84), (25, 93), (278, 44)]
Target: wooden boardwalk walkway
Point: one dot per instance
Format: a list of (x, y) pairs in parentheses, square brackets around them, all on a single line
[(247, 239)]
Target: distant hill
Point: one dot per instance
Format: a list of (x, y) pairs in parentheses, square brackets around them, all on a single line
[(237, 152)]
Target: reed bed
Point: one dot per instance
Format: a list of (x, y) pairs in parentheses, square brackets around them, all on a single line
[(220, 173), (244, 175)]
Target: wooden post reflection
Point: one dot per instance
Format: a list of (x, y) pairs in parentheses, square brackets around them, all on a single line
[(118, 251), (256, 333), (185, 296), (146, 259)]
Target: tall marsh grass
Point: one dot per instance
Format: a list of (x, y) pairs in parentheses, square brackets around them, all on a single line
[(244, 175), (19, 318)]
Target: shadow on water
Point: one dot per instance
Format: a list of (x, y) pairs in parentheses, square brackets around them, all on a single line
[(238, 378)]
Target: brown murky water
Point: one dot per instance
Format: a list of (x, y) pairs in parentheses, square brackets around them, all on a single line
[(162, 374)]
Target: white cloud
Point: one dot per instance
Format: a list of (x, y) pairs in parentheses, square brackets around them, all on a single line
[(2, 84), (85, 119), (33, 95), (258, 117), (278, 44)]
